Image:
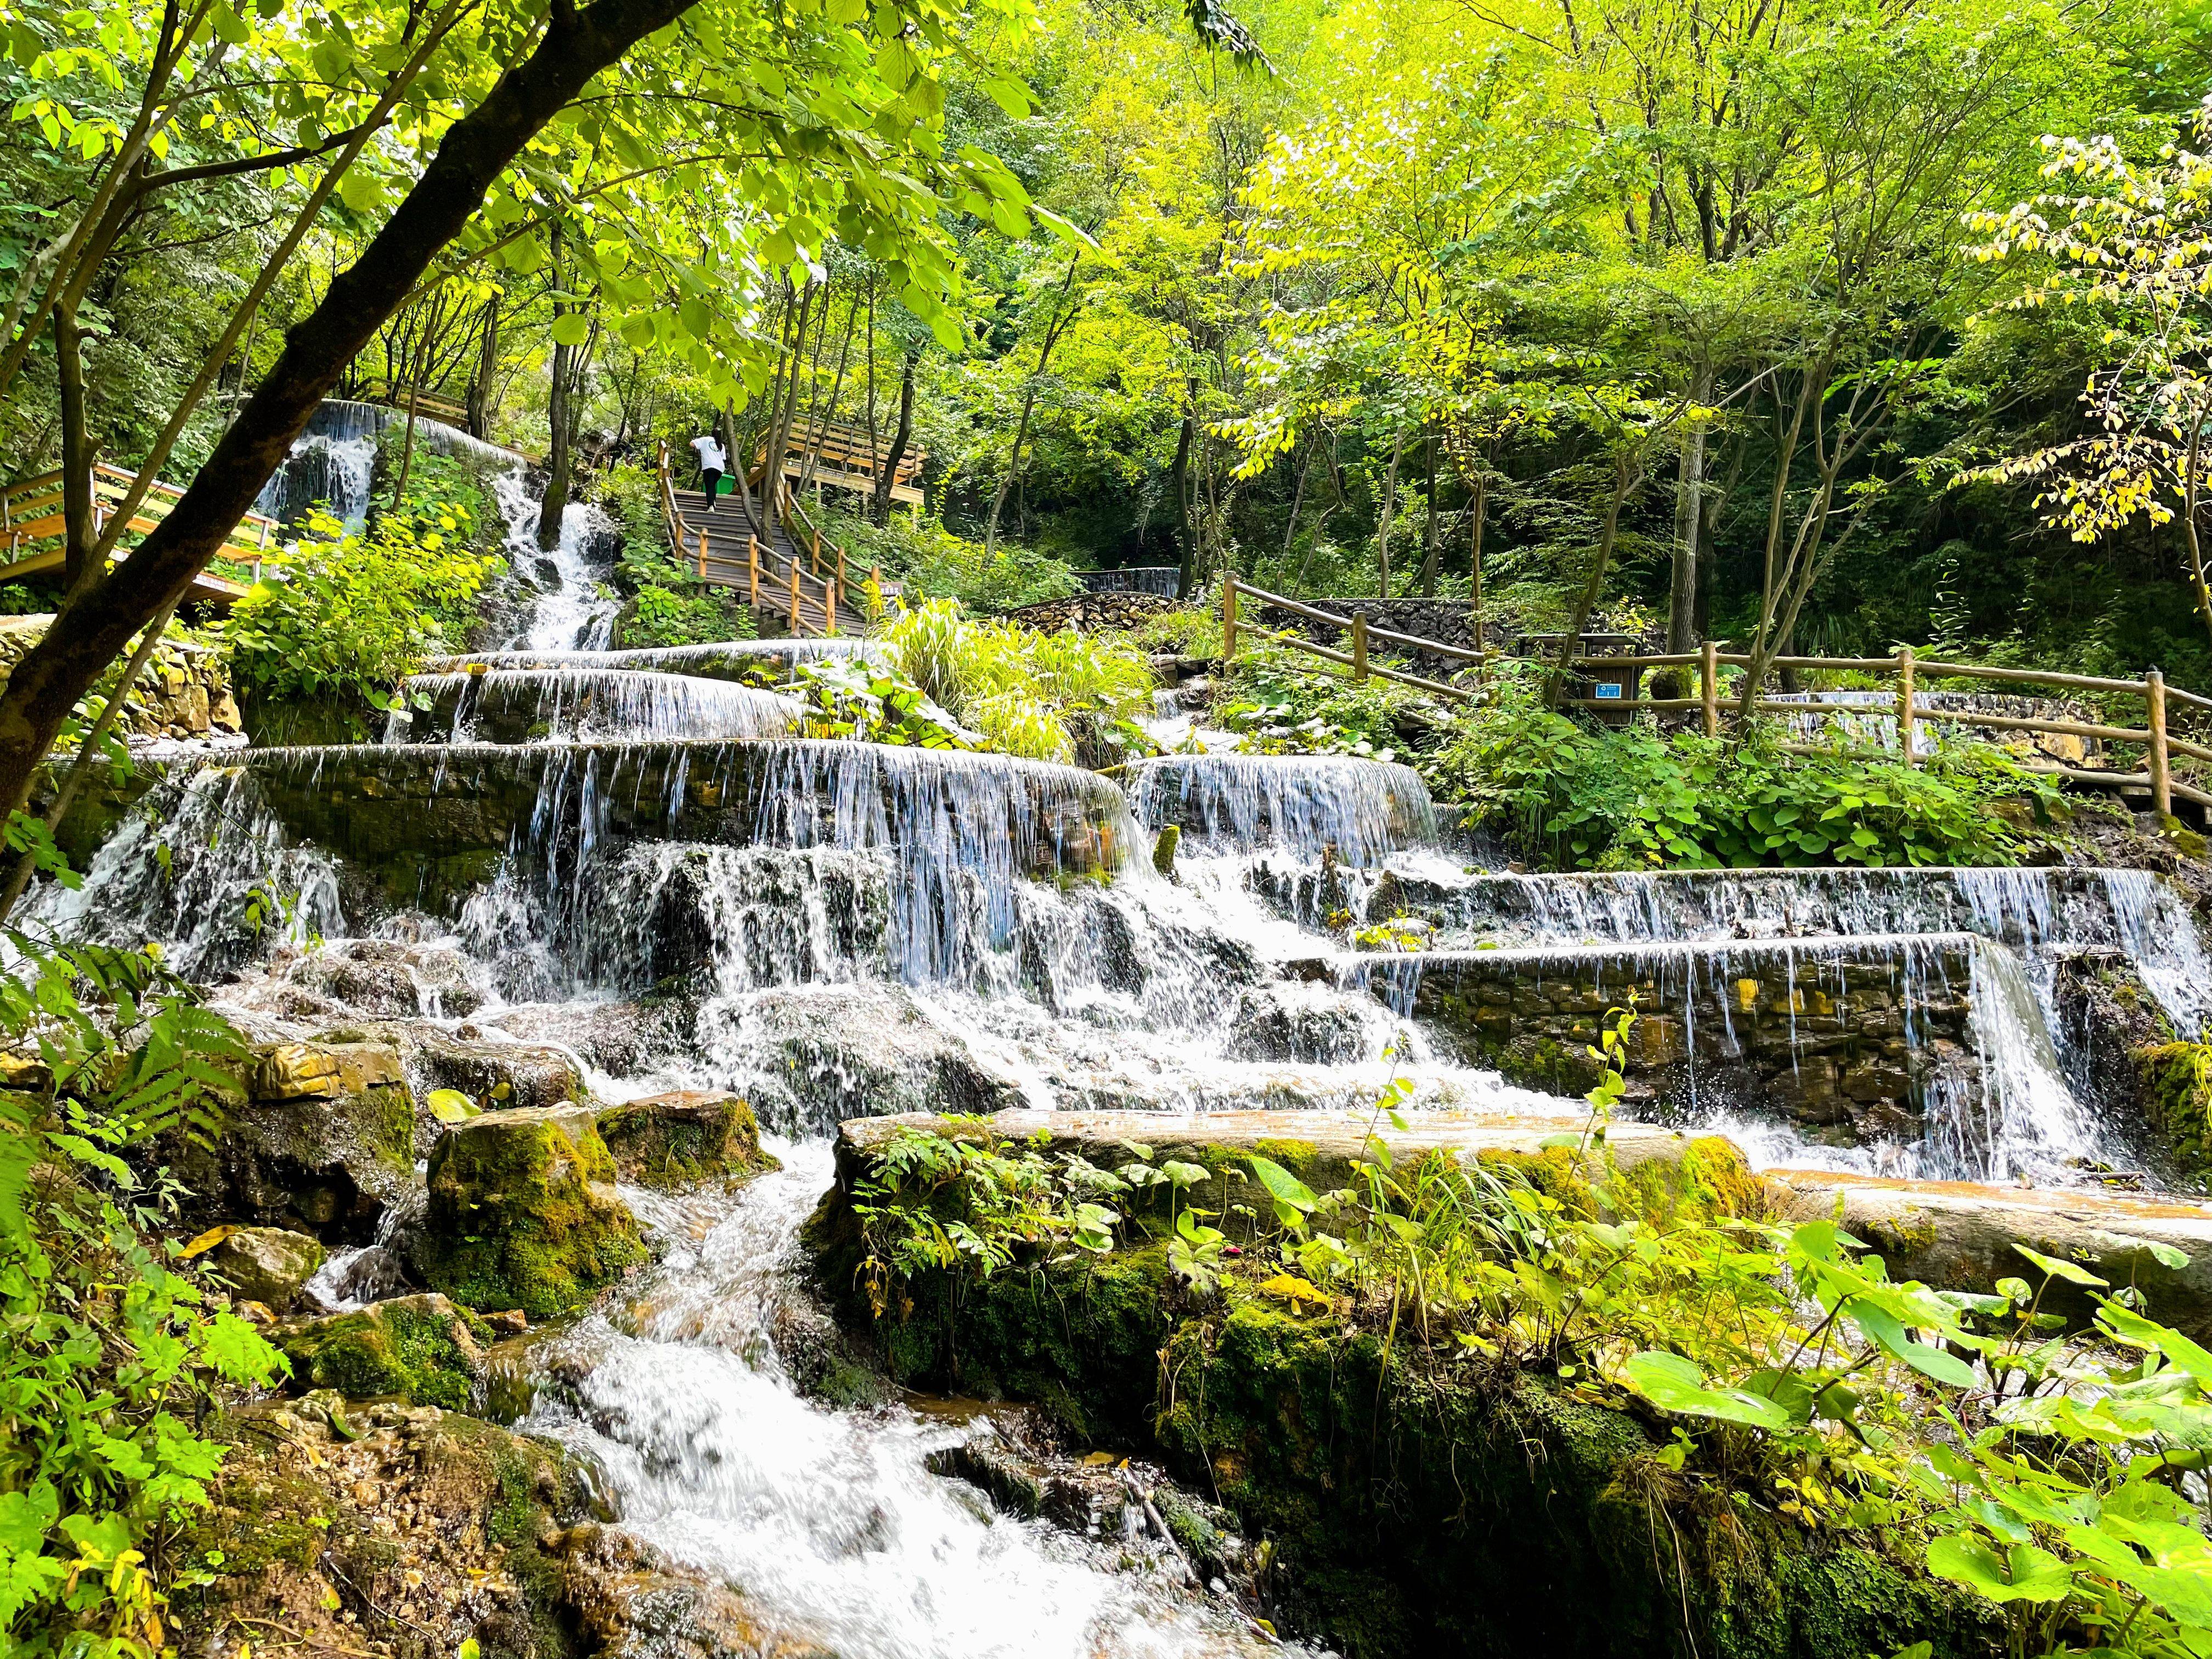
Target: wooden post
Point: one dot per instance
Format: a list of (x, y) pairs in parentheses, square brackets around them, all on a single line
[(1905, 703), (2161, 779), (1229, 616), (841, 569), (702, 553), (817, 553), (795, 627), (752, 568), (1710, 686), (1360, 645), (829, 608)]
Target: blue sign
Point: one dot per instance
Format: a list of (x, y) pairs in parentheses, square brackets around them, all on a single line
[(1603, 690)]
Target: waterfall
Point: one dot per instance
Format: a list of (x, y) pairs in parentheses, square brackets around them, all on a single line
[(1363, 809), (332, 462), (555, 705), (574, 611), (729, 660)]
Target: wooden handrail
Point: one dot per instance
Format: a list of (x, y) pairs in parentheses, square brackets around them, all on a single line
[(1907, 707)]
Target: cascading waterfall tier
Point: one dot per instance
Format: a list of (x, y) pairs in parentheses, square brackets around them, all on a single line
[(964, 829), (332, 462), (744, 660), (2037, 911), (1362, 810), (505, 705), (1916, 1052)]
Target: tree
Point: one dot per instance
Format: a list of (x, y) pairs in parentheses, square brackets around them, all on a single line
[(810, 123), (2135, 248)]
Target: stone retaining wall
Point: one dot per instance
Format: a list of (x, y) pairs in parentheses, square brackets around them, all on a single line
[(184, 692), (1850, 1040)]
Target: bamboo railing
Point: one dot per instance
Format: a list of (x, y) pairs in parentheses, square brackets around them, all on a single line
[(2158, 743)]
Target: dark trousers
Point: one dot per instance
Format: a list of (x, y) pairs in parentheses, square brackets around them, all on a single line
[(710, 480)]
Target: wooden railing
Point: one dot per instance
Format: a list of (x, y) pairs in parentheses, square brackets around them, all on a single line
[(435, 404), (794, 588), (32, 513), (843, 457), (2158, 741)]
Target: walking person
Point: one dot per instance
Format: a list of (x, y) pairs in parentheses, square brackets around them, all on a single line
[(712, 459)]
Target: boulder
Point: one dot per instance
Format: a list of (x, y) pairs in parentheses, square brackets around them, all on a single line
[(1955, 1235), (322, 1142), (492, 1070), (268, 1264), (422, 1348), (385, 977), (683, 1139), (522, 1213)]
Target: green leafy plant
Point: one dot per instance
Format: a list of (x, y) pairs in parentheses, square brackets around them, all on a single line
[(336, 612), (1631, 799), (111, 1346)]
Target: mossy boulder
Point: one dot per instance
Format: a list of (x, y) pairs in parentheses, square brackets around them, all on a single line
[(320, 1139), (420, 1348), (523, 1213), (268, 1264), (2177, 1087), (682, 1139)]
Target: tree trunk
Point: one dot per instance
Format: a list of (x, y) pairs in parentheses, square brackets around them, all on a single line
[(1689, 517), (93, 628), (80, 526), (887, 474), (1057, 322), (1477, 509), (1178, 483), (1429, 552), (1390, 507), (480, 388), (1627, 479)]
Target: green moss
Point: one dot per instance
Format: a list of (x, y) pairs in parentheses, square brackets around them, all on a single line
[(523, 1213), (2178, 1084), (422, 1348), (670, 1141)]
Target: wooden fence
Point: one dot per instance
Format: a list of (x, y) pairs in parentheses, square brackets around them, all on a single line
[(2160, 744)]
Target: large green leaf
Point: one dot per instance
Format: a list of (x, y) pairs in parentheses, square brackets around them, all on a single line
[(1675, 1384), (2023, 1574), (1884, 1329)]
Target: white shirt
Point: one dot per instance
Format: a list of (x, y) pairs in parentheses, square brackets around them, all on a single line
[(712, 457)]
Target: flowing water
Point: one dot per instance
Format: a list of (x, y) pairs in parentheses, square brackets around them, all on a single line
[(619, 852)]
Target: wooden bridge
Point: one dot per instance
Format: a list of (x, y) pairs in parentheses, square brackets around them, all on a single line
[(2158, 742), (32, 529), (789, 572), (845, 458)]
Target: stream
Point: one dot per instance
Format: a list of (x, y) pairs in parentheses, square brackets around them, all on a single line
[(627, 854)]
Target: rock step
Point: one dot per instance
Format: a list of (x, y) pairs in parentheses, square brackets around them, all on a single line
[(1960, 1236)]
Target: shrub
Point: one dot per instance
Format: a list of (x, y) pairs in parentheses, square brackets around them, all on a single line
[(930, 562), (1631, 799), (336, 612), (111, 1347), (1046, 696)]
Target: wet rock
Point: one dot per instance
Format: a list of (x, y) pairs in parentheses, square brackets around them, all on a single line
[(630, 1603), (383, 1528), (383, 978), (814, 1056), (374, 1273), (523, 1213), (679, 1139), (322, 1141), (421, 1348), (1300, 1025), (622, 1039), (494, 1070), (1956, 1234), (268, 1264)]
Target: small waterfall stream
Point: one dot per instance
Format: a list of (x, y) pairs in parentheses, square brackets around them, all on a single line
[(627, 840)]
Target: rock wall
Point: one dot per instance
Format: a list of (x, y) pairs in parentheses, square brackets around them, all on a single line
[(1849, 1039), (184, 692)]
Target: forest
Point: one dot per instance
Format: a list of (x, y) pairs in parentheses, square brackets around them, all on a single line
[(1099, 829)]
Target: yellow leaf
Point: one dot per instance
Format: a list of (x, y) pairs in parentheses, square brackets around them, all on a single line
[(206, 1241), (1288, 1287)]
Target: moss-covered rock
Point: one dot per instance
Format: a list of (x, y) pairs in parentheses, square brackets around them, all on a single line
[(2177, 1087), (268, 1264), (682, 1139), (320, 1139), (420, 1348), (523, 1213)]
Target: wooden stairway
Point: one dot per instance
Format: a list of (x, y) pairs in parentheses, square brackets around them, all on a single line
[(31, 530), (788, 572)]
